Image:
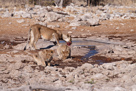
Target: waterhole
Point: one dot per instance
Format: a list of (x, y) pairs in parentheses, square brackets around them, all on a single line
[(89, 57)]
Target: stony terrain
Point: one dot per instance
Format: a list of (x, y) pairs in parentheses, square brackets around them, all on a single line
[(103, 49)]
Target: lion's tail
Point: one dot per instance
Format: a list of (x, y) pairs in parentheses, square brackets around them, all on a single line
[(28, 39)]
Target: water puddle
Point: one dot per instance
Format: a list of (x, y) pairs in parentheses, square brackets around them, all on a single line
[(90, 56), (87, 42), (87, 58), (92, 52)]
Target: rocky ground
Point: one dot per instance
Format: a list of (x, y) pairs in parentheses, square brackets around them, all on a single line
[(103, 49)]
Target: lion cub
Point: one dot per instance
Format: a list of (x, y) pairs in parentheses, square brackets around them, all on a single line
[(63, 51), (43, 57)]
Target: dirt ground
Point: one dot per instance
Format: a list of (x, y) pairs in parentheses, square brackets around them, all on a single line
[(125, 28), (14, 34)]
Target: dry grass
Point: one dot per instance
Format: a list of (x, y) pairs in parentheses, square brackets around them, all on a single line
[(47, 3), (21, 3), (13, 3), (118, 2)]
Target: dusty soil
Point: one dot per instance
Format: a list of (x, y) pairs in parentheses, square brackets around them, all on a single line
[(103, 57), (9, 27)]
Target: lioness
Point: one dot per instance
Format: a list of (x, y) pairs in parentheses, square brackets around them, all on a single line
[(43, 57), (39, 31), (63, 51)]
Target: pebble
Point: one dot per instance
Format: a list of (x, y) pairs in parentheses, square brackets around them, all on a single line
[(21, 21), (70, 32), (132, 30)]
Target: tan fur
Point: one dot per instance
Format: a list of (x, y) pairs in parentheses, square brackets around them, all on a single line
[(43, 57), (39, 31), (63, 51)]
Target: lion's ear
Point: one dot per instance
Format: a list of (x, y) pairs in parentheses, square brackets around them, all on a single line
[(52, 51), (68, 35)]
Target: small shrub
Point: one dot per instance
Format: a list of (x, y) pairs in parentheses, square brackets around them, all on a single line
[(48, 3), (91, 81), (71, 81)]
